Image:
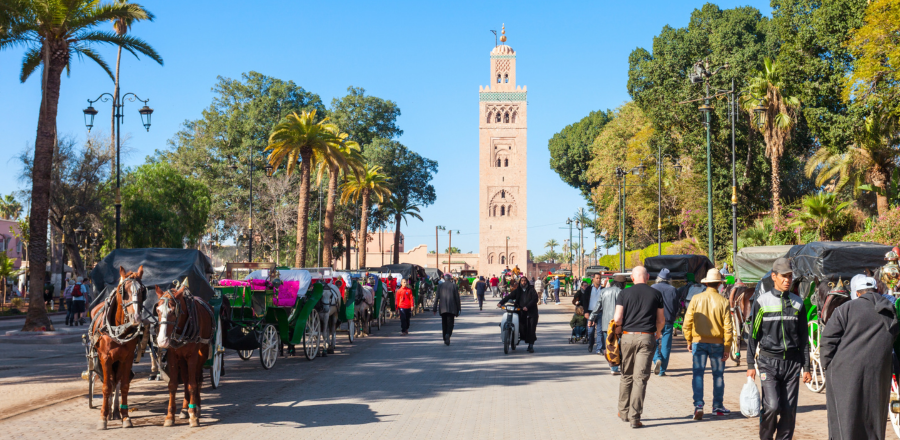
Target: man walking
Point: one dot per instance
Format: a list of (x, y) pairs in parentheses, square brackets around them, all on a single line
[(606, 312), (405, 303), (592, 303), (495, 286), (640, 318), (555, 284), (855, 349), (447, 302), (480, 288), (779, 335), (539, 288), (671, 306), (707, 328)]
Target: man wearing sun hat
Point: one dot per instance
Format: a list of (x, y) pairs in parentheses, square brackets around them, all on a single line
[(707, 328), (779, 335)]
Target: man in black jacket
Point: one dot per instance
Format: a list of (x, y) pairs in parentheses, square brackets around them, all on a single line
[(447, 301), (778, 333)]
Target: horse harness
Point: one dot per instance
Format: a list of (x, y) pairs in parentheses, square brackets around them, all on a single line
[(191, 331), (130, 330)]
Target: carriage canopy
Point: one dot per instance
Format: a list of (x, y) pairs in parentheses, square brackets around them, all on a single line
[(679, 266), (751, 264), (433, 273), (410, 272), (161, 268)]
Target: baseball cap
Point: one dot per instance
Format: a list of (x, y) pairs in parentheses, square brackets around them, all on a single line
[(861, 282), (782, 266)]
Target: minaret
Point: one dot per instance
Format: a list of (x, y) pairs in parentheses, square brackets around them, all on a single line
[(503, 160)]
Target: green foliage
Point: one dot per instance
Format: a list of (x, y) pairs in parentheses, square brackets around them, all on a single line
[(874, 80), (821, 213), (452, 250), (570, 149), (163, 208), (9, 207), (637, 257), (410, 173), (365, 118), (885, 230)]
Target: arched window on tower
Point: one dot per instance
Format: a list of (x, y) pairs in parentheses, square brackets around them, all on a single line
[(509, 210), (491, 259), (506, 118), (502, 210), (512, 258), (506, 78), (489, 117), (497, 117), (502, 259), (502, 193), (506, 162), (494, 214), (514, 117), (498, 163), (498, 78)]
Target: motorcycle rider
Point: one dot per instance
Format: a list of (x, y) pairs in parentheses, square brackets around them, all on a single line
[(525, 297), (779, 334)]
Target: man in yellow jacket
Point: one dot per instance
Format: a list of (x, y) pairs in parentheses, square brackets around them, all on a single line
[(707, 328)]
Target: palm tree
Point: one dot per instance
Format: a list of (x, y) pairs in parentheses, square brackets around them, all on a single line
[(53, 33), (766, 89), (301, 138), (351, 160), (399, 208), (364, 187), (818, 211), (551, 243), (9, 207), (870, 159)]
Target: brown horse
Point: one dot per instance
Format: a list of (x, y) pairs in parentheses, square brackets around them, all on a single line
[(185, 328), (115, 332)]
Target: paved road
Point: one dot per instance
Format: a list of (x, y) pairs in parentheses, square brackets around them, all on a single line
[(391, 386)]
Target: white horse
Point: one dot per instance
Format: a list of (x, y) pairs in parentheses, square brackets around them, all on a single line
[(328, 316), (364, 307)]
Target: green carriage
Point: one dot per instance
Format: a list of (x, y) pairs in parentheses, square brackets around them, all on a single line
[(418, 280)]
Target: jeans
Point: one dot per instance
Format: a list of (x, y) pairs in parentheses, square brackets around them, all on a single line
[(556, 294), (404, 319), (714, 352), (578, 332), (600, 340), (543, 293), (70, 315), (602, 343), (480, 297), (664, 350)]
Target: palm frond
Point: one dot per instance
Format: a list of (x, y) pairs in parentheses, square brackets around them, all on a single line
[(30, 63), (130, 43), (88, 52)]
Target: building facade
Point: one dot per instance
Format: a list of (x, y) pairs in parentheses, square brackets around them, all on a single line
[(502, 158)]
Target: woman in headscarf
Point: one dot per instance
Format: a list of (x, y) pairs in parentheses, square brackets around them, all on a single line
[(525, 298)]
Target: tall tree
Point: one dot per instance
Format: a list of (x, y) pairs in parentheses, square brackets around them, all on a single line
[(410, 174), (55, 31), (301, 138), (351, 160), (767, 88), (363, 187), (399, 208), (9, 207), (551, 244), (570, 149)]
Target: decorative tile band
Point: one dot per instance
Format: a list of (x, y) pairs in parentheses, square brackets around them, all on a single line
[(501, 96), (503, 57)]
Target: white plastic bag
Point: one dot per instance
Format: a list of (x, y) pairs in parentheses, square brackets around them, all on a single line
[(750, 402)]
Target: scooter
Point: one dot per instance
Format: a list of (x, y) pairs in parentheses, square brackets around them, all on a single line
[(509, 327)]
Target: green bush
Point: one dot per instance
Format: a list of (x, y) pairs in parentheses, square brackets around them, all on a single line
[(885, 230)]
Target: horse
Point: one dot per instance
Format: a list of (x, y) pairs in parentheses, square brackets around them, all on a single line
[(330, 306), (829, 296), (115, 331), (739, 303), (362, 309), (185, 329)]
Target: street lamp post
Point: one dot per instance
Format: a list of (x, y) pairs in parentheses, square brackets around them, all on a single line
[(437, 249), (571, 256), (450, 252), (269, 173), (507, 250), (660, 168), (89, 114)]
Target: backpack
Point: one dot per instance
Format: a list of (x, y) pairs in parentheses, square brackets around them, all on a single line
[(76, 291)]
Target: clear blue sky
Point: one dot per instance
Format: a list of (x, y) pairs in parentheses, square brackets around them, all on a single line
[(429, 57)]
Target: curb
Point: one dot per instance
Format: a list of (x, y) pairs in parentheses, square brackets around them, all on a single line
[(22, 316), (40, 339)]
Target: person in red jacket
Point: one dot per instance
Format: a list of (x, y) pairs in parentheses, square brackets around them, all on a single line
[(404, 306), (495, 286)]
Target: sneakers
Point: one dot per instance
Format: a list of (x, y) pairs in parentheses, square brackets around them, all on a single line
[(571, 340), (698, 413), (656, 367), (721, 411)]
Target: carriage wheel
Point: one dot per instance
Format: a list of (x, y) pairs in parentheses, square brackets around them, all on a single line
[(245, 354), (215, 370), (268, 346), (95, 389), (895, 418), (312, 337), (351, 330)]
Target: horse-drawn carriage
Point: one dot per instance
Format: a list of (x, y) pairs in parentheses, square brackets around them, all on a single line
[(181, 310), (417, 280), (684, 271)]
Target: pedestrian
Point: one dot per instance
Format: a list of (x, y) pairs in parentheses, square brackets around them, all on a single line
[(707, 328), (78, 299), (67, 297), (640, 318), (539, 288), (671, 306), (405, 302), (582, 295), (48, 292), (495, 286), (606, 313), (447, 302), (480, 288), (525, 298), (578, 324), (779, 335), (556, 289), (594, 331), (855, 350)]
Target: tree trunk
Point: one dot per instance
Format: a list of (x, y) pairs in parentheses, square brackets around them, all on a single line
[(776, 187), (363, 230), (881, 180), (347, 235), (328, 227), (303, 209), (41, 183), (396, 252), (112, 125)]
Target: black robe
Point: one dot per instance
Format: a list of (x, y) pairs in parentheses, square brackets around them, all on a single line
[(523, 298), (855, 350), (447, 299)]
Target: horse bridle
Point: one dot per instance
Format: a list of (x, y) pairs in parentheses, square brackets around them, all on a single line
[(191, 331), (119, 333)]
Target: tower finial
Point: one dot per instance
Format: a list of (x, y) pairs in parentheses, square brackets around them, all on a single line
[(503, 34)]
